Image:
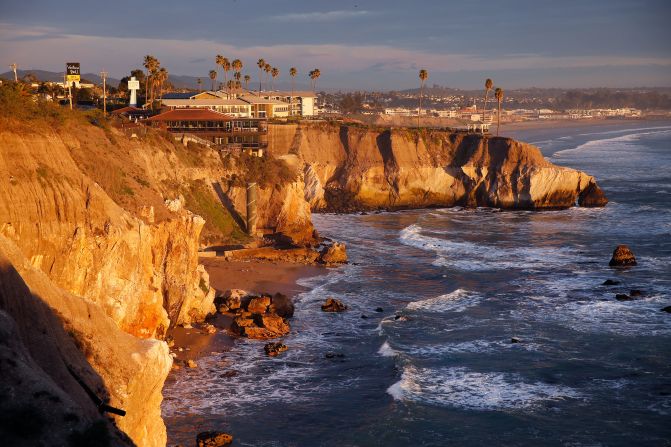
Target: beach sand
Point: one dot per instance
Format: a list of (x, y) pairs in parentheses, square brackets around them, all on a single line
[(253, 276)]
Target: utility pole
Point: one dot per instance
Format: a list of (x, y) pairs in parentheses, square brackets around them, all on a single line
[(14, 67), (103, 74)]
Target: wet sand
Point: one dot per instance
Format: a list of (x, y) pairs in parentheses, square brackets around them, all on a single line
[(252, 276)]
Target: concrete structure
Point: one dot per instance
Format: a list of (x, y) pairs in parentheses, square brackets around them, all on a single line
[(133, 87)]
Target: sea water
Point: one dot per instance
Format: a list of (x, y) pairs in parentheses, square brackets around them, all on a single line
[(436, 366)]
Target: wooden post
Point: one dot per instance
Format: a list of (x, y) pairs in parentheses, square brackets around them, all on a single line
[(103, 74), (251, 209)]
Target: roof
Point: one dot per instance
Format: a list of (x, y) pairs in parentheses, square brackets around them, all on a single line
[(203, 102), (177, 95), (253, 99), (127, 109), (191, 115)]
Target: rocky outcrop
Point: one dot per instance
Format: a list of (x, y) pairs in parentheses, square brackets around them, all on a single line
[(622, 257), (262, 317), (213, 439), (144, 275), (333, 305), (274, 349), (335, 253), (51, 339), (348, 168)]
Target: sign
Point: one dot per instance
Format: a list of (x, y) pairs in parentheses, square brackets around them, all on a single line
[(133, 84), (72, 71)]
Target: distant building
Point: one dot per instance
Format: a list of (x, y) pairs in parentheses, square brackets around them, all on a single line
[(232, 107), (230, 132)]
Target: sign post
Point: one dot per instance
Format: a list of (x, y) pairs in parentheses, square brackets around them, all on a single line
[(103, 75), (71, 75), (133, 87)]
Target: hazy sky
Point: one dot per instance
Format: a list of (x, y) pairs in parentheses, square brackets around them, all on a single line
[(371, 44)]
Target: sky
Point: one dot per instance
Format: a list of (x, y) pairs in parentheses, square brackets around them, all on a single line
[(356, 44)]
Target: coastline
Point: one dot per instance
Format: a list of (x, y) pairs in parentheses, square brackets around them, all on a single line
[(194, 341)]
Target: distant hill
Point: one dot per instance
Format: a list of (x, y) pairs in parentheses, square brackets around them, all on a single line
[(53, 76)]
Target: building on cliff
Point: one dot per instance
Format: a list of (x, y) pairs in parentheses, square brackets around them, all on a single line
[(230, 132)]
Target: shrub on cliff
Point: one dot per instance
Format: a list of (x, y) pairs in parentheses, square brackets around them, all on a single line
[(265, 171), (17, 102)]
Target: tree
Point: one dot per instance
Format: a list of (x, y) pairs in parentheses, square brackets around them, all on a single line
[(220, 61), (150, 64), (199, 82), (423, 76), (162, 79), (488, 86), (292, 72), (275, 72), (247, 79), (213, 77), (237, 65), (314, 75), (261, 64), (237, 75), (498, 94), (267, 68)]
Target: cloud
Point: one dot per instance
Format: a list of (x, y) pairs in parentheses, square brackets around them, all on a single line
[(328, 16), (339, 64)]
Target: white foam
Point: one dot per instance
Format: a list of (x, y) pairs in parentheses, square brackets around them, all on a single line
[(462, 388), (386, 350), (456, 301)]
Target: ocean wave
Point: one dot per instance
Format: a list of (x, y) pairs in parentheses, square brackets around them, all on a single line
[(386, 350), (466, 389), (470, 256), (599, 145), (457, 301)]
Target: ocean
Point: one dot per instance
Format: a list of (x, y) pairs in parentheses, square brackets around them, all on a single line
[(424, 355)]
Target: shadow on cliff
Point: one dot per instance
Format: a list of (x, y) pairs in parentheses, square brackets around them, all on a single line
[(228, 204), (41, 401)]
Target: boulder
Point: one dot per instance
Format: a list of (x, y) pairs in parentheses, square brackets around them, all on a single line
[(610, 282), (336, 253), (635, 292), (666, 309), (191, 363), (281, 305), (333, 305), (274, 323), (623, 297), (274, 349), (230, 300), (592, 196), (213, 439), (258, 305), (209, 329), (622, 256)]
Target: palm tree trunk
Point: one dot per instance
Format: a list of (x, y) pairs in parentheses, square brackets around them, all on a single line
[(291, 98), (419, 111), (484, 111), (498, 120)]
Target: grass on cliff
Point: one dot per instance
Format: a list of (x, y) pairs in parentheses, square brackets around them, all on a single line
[(219, 224), (265, 171)]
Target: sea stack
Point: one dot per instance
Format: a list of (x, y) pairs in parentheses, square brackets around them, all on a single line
[(622, 257)]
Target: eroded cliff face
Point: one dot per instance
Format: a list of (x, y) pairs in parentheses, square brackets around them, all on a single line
[(349, 168), (144, 274), (50, 339)]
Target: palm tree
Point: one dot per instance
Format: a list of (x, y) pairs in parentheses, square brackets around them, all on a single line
[(220, 61), (314, 75), (247, 79), (150, 64), (292, 72), (267, 68), (237, 65), (261, 64), (423, 76), (275, 72), (237, 75), (199, 82), (226, 66), (488, 86), (213, 77), (163, 78), (498, 94)]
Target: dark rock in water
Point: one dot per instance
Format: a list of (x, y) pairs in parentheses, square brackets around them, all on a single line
[(364, 316), (515, 340), (213, 439), (666, 309), (334, 254), (274, 349), (610, 282), (332, 355), (400, 318), (635, 292), (592, 196), (622, 256), (623, 297), (282, 305), (333, 305), (379, 309)]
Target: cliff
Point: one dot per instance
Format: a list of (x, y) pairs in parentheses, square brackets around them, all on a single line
[(349, 168)]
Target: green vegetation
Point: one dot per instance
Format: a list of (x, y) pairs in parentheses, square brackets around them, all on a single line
[(264, 171), (201, 200)]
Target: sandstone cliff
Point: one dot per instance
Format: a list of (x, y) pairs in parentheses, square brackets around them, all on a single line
[(350, 168)]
